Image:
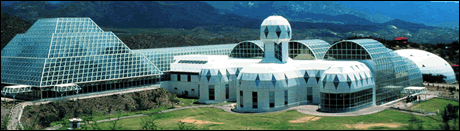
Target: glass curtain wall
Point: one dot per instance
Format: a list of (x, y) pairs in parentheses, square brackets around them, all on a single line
[(163, 57), (315, 48), (296, 48), (347, 51), (390, 74), (344, 102), (248, 50), (415, 75)]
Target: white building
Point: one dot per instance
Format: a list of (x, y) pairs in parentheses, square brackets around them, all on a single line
[(275, 73)]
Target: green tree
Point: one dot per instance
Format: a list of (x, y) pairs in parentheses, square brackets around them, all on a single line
[(5, 122), (114, 122), (31, 124), (434, 78), (443, 55), (148, 123), (411, 122), (182, 126), (451, 90), (445, 119), (173, 99), (88, 117), (418, 123), (450, 113)]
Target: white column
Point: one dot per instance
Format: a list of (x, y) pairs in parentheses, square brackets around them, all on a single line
[(269, 49), (284, 51)]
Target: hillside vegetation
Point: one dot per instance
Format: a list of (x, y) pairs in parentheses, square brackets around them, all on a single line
[(10, 26), (43, 115), (139, 38)]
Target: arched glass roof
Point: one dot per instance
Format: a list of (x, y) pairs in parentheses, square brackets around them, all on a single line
[(415, 75), (248, 49), (307, 49)]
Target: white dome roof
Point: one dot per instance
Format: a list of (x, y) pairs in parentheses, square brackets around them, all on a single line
[(429, 63), (275, 20), (276, 29)]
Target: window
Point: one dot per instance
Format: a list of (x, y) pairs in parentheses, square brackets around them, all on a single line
[(310, 94), (347, 50), (211, 92), (247, 50), (254, 99), (241, 99), (278, 52), (192, 62), (227, 91), (286, 97), (271, 98)]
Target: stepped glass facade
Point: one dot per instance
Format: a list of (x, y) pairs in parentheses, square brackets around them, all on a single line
[(61, 51)]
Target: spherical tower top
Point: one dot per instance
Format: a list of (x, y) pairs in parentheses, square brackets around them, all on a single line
[(275, 28)]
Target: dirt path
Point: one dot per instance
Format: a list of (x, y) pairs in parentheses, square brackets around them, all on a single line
[(13, 123), (191, 120), (114, 93), (305, 119), (365, 126)]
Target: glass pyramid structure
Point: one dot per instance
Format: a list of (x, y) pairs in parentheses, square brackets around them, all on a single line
[(69, 50)]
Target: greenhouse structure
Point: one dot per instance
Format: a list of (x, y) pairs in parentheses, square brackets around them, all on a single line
[(73, 56)]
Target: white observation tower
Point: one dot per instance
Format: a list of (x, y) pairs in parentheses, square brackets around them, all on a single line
[(275, 33)]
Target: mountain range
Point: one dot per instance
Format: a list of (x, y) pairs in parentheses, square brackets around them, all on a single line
[(425, 12), (194, 14)]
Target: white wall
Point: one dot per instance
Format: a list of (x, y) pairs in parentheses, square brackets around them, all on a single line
[(184, 85), (263, 96)]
